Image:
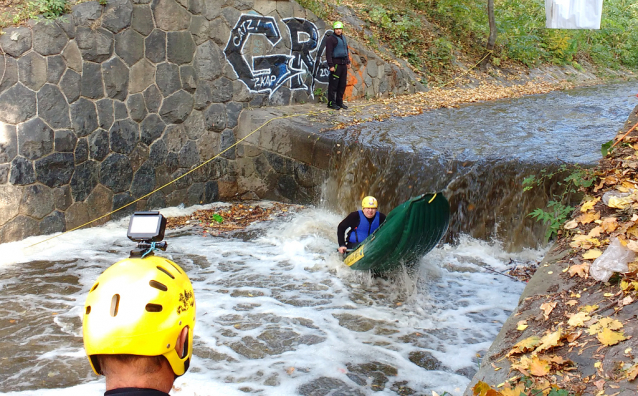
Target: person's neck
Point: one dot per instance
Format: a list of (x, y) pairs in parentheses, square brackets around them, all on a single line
[(160, 380)]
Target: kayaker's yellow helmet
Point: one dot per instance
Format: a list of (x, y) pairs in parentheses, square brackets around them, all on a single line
[(139, 306), (369, 202)]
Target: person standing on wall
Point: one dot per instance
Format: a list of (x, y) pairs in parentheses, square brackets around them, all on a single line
[(338, 58)]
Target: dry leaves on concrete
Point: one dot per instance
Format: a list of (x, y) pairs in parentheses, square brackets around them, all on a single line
[(231, 218), (588, 330), (415, 104)]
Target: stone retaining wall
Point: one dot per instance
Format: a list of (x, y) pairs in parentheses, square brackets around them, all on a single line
[(104, 105)]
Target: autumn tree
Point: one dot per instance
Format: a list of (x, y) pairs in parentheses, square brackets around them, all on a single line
[(491, 41)]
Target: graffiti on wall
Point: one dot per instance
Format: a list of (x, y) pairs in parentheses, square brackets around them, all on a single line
[(268, 73)]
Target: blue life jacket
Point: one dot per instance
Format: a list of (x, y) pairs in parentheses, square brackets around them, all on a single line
[(341, 50), (364, 229)]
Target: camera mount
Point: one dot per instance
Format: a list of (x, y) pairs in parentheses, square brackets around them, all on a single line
[(147, 229)]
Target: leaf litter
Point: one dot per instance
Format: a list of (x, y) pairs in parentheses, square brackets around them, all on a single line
[(381, 109), (588, 321), (227, 219)]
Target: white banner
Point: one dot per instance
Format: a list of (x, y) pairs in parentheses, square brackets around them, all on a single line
[(573, 14)]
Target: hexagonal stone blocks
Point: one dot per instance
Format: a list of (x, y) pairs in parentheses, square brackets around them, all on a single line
[(52, 107), (18, 104), (16, 41), (48, 38), (35, 139)]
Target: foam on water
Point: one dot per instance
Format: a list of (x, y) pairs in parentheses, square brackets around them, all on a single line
[(277, 314)]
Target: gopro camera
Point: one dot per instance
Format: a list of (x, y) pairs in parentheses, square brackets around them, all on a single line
[(147, 229)]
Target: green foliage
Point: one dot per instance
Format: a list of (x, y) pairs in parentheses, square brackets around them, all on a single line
[(558, 210), (527, 381), (23, 13), (428, 33), (558, 392), (217, 218), (553, 218), (50, 9), (441, 54), (401, 29), (35, 9), (522, 35), (320, 8), (605, 148), (320, 95)]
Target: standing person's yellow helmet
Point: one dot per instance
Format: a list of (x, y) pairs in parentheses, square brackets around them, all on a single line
[(369, 202), (139, 306)]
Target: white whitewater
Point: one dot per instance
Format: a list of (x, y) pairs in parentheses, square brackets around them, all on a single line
[(278, 313)]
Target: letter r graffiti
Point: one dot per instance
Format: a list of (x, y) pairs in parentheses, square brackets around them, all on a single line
[(301, 50)]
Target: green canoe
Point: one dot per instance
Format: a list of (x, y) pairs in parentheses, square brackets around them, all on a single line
[(409, 231)]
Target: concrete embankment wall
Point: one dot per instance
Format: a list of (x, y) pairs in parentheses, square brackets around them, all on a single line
[(106, 104)]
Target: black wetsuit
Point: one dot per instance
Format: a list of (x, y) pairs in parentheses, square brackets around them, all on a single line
[(352, 222), (135, 392)]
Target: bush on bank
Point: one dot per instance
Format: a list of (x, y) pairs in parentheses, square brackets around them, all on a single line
[(431, 33)]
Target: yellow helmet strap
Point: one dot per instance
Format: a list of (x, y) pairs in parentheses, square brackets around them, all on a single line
[(95, 364), (175, 360)]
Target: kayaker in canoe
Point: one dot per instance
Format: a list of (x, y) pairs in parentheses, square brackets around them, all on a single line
[(358, 225)]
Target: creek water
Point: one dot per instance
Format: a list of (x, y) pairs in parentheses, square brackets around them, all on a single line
[(277, 311), (479, 156)]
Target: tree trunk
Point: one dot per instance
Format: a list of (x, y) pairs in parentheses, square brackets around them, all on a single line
[(491, 41)]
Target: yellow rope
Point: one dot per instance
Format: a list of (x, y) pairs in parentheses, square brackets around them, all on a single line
[(310, 113), (489, 52), (228, 148)]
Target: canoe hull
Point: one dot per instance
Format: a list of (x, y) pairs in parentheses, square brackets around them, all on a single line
[(410, 231)]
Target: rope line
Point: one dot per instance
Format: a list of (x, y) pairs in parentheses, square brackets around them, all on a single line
[(310, 113), (489, 52), (624, 136)]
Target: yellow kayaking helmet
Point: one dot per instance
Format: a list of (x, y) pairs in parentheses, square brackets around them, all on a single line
[(337, 25), (139, 306), (369, 202)]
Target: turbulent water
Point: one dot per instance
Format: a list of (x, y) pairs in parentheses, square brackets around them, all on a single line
[(277, 312), (479, 155)]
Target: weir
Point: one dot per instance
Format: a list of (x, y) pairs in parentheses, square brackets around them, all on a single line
[(278, 312), (479, 165), (105, 105), (99, 109)]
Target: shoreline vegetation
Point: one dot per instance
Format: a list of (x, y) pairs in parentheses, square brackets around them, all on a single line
[(438, 38), (572, 334)]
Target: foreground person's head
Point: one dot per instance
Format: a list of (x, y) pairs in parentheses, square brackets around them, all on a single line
[(138, 325)]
